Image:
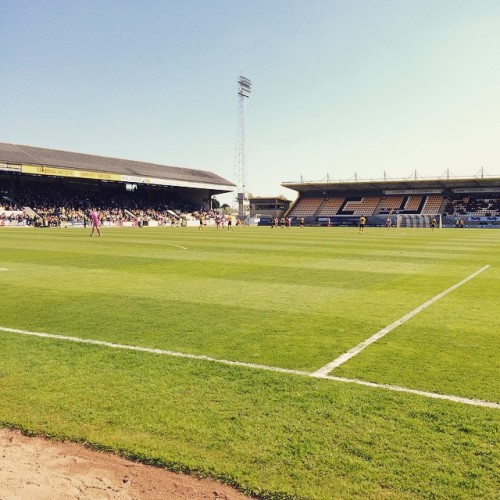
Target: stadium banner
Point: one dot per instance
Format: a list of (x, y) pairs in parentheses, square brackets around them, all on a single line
[(133, 179), (10, 213), (11, 223), (413, 191), (484, 218), (66, 172), (9, 167), (190, 184), (475, 190), (106, 176)]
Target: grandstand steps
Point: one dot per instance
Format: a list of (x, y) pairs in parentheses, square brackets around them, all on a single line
[(320, 208), (443, 206), (30, 212)]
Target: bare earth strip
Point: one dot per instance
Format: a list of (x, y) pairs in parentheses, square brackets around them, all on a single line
[(46, 470)]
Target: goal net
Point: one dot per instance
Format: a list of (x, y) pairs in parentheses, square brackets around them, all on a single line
[(418, 220)]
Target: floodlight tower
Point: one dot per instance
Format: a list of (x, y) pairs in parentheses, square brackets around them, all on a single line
[(240, 168)]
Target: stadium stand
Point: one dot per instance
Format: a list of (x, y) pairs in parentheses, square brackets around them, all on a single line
[(475, 201), (54, 207), (49, 187)]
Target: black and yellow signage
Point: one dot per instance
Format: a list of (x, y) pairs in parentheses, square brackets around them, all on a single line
[(67, 172)]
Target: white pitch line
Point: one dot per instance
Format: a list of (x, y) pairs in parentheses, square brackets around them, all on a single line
[(178, 246), (456, 399), (434, 395), (4, 269), (154, 351), (325, 370)]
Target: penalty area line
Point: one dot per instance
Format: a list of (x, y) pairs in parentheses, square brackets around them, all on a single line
[(456, 399), (325, 370), (152, 350), (396, 388)]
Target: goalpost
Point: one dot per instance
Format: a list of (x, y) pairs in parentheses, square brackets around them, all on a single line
[(418, 220)]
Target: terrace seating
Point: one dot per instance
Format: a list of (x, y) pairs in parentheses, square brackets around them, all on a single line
[(56, 205), (484, 207), (389, 204), (432, 204), (474, 205), (457, 206), (306, 207), (331, 207), (413, 204), (362, 206)]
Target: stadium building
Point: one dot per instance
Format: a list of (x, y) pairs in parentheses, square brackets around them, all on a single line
[(26, 171), (268, 206), (461, 202)]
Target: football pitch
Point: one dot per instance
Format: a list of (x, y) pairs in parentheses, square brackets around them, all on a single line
[(291, 363)]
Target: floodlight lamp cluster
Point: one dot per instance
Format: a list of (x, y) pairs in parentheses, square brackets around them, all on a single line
[(245, 86)]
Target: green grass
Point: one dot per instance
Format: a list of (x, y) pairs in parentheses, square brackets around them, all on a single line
[(293, 299)]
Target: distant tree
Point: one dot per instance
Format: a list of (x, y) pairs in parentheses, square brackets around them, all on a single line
[(225, 206), (215, 203)]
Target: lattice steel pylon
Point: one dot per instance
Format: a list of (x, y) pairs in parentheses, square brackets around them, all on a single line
[(240, 167)]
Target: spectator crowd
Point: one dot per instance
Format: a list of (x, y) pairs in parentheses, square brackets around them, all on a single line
[(52, 207)]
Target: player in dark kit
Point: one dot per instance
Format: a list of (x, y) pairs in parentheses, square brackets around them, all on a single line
[(362, 222)]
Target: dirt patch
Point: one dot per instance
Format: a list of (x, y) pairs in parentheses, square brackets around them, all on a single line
[(43, 469)]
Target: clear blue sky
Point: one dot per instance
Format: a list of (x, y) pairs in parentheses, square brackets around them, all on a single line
[(339, 86)]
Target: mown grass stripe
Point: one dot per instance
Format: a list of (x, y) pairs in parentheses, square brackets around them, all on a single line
[(325, 370), (456, 399)]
